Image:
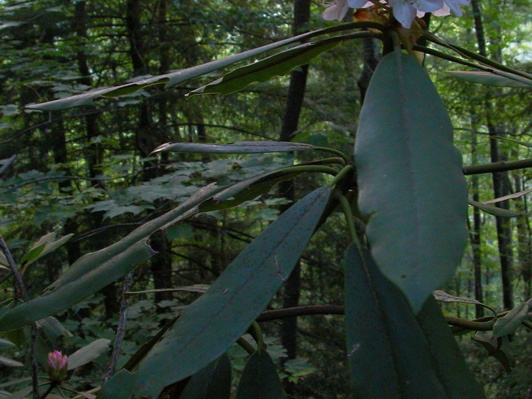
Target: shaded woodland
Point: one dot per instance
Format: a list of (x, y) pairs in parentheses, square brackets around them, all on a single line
[(89, 172)]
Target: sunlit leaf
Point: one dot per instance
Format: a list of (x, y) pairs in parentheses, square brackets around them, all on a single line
[(410, 177), (207, 327)]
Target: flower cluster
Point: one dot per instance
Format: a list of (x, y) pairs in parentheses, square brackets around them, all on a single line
[(57, 366), (404, 11)]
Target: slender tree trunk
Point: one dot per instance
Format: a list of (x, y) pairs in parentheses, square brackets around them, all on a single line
[(294, 104), (501, 183), (149, 135)]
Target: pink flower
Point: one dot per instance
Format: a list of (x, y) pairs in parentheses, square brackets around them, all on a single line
[(57, 366)]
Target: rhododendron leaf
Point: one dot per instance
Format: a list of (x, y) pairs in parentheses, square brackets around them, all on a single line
[(260, 379), (212, 382), (493, 79), (412, 187), (208, 326), (275, 65), (242, 147), (88, 353)]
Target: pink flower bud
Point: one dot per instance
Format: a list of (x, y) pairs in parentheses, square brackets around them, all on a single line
[(57, 366)]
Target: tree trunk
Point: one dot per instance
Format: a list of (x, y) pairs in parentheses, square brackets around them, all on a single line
[(501, 183), (294, 103)]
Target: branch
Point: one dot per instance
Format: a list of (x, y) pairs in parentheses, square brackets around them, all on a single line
[(497, 167), (301, 311), (482, 324), (121, 329)]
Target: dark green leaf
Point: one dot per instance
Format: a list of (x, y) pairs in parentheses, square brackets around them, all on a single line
[(260, 379), (412, 187), (212, 382), (212, 323), (494, 348), (491, 79), (275, 65), (511, 321), (387, 351), (88, 353), (242, 147), (53, 328), (451, 368)]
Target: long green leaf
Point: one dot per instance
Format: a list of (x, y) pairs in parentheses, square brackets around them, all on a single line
[(410, 177), (493, 79), (213, 322), (388, 354), (242, 147), (496, 211), (169, 79), (94, 271), (260, 379), (451, 368), (275, 65), (212, 382)]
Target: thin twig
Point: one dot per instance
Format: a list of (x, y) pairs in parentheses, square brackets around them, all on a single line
[(21, 290), (121, 329)]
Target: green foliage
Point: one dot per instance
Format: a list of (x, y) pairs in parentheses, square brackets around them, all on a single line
[(93, 173), (404, 143)]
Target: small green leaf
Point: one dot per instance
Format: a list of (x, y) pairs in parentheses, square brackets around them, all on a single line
[(511, 321), (260, 379), (242, 147), (45, 245), (88, 353), (212, 382), (412, 187), (491, 79)]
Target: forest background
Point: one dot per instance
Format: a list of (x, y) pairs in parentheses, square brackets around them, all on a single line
[(89, 171)]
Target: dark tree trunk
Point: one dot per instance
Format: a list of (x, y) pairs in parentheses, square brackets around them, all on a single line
[(501, 183), (294, 103), (148, 136)]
